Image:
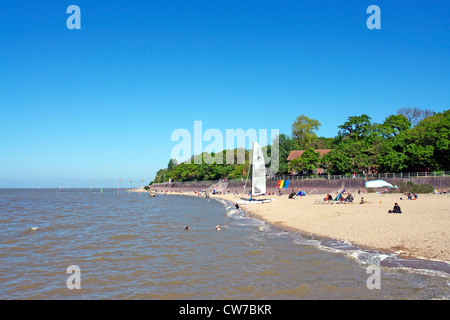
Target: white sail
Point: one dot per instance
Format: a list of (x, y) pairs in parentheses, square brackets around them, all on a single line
[(258, 171)]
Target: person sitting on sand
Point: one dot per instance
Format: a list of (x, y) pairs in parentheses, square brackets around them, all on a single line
[(362, 200), (328, 198), (396, 209), (349, 198)]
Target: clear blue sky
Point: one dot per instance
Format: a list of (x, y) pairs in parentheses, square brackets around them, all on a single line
[(96, 105)]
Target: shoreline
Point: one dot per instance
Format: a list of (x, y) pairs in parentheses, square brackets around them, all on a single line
[(421, 231)]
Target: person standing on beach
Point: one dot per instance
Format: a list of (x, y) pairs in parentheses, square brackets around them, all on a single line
[(237, 207)]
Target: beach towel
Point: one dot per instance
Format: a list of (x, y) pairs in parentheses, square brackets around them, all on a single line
[(281, 184), (278, 184), (286, 184)]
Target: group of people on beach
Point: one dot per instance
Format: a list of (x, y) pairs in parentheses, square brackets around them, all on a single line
[(349, 198), (341, 199), (411, 196)]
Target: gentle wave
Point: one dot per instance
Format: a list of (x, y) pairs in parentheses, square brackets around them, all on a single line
[(363, 257)]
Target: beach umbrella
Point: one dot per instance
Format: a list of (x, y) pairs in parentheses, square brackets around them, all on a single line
[(378, 184)]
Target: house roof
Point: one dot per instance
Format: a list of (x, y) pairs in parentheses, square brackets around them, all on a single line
[(298, 153)]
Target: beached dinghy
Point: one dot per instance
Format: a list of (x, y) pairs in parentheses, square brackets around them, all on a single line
[(258, 178)]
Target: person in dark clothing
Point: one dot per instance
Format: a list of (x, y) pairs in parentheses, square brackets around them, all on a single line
[(396, 209)]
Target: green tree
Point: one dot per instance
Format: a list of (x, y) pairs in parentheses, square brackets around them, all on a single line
[(427, 144), (392, 146), (338, 161), (308, 161), (356, 127), (394, 125), (423, 147), (353, 150), (303, 131), (323, 143), (172, 163)]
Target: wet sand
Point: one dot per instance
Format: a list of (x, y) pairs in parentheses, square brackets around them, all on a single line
[(421, 231)]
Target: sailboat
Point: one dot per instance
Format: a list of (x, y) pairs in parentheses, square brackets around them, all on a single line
[(258, 177)]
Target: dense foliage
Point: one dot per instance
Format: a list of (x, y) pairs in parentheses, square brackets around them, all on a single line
[(406, 142)]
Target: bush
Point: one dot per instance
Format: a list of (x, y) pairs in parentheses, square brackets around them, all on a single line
[(422, 188), (405, 187)]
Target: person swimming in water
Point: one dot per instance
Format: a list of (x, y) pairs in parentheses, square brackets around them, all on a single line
[(187, 228), (217, 228)]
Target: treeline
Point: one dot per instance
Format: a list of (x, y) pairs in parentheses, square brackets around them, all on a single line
[(199, 170), (413, 140)]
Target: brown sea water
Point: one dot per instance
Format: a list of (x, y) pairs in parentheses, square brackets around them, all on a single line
[(131, 246)]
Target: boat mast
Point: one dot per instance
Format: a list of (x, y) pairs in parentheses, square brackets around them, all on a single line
[(243, 192)]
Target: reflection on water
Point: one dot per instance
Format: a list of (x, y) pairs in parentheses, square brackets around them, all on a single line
[(131, 246)]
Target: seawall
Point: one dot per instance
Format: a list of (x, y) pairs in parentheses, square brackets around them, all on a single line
[(309, 186)]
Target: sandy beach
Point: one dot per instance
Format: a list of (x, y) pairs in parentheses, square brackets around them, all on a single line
[(421, 231)]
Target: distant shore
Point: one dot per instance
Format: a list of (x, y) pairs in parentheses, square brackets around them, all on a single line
[(422, 230)]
